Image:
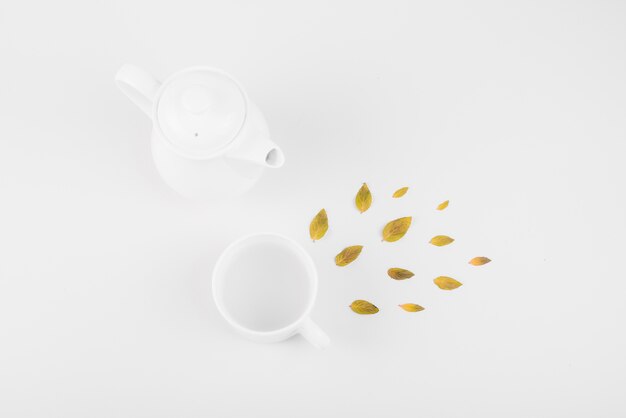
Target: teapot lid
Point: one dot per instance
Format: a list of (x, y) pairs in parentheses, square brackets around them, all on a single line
[(200, 111)]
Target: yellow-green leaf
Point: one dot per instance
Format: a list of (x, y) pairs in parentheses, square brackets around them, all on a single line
[(363, 307), (447, 283), (363, 198), (441, 240), (319, 225), (411, 307), (479, 261), (400, 192), (443, 205), (399, 274), (396, 229), (348, 255)]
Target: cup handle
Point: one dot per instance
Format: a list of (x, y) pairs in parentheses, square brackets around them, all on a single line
[(314, 334)]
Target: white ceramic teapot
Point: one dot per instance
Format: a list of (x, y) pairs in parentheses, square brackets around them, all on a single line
[(208, 139)]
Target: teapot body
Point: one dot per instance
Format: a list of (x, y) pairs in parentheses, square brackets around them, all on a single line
[(209, 141), (214, 178)]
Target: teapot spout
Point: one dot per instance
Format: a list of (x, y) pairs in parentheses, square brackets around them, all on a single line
[(275, 158), (253, 143), (261, 151)]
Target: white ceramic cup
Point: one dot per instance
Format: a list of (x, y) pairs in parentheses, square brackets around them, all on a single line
[(265, 285)]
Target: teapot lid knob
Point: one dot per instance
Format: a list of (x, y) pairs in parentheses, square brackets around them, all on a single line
[(197, 99)]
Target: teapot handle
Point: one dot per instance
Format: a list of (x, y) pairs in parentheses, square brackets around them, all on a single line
[(138, 85)]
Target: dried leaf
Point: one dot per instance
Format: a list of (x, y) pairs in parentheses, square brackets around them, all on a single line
[(447, 283), (319, 225), (399, 274), (396, 229), (443, 205), (479, 261), (441, 240), (400, 192), (411, 307), (363, 307), (363, 198), (348, 255)]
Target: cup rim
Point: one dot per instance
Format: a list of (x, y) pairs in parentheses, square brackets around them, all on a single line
[(310, 267)]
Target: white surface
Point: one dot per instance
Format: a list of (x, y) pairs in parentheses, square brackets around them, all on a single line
[(513, 111)]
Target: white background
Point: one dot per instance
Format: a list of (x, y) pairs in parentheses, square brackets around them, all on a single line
[(515, 111)]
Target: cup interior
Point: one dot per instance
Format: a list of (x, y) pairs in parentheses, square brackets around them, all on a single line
[(264, 283)]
